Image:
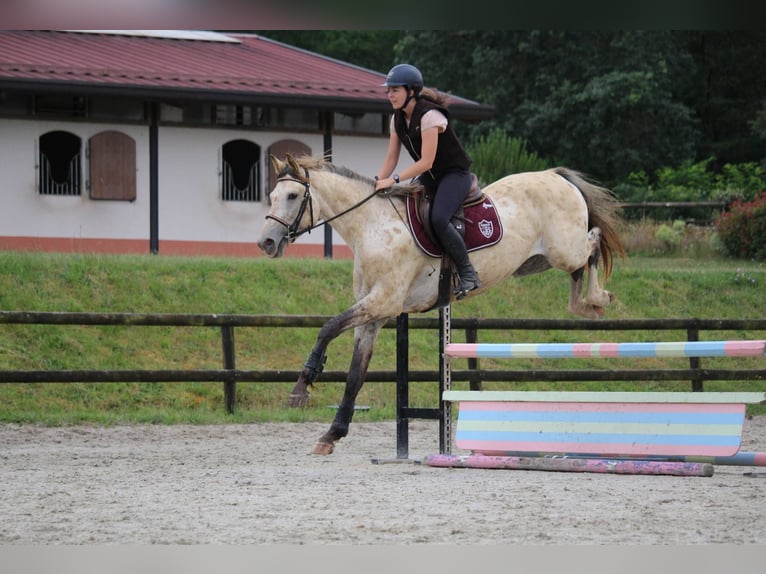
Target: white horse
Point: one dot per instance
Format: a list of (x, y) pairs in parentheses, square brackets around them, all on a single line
[(551, 219)]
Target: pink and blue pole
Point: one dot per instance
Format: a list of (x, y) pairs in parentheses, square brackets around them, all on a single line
[(739, 459), (606, 350), (562, 464)]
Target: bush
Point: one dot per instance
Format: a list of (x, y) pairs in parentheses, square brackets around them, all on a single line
[(497, 155), (690, 182), (671, 236), (742, 229)]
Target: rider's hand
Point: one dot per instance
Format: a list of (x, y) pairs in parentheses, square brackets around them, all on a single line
[(384, 184)]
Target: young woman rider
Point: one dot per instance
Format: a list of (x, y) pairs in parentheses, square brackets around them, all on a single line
[(420, 123)]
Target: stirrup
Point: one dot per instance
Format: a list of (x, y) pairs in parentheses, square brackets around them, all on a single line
[(465, 286)]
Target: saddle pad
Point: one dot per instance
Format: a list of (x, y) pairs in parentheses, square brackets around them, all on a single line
[(482, 226)]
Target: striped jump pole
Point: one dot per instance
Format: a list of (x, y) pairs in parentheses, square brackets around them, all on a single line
[(598, 465), (735, 348), (742, 458)]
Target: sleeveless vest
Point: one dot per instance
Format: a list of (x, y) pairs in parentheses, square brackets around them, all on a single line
[(450, 153)]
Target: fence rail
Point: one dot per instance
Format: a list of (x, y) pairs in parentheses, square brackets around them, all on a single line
[(230, 375)]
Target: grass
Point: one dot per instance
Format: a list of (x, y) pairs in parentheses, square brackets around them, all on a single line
[(648, 285)]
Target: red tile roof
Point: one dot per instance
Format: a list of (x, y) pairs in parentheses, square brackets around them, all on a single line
[(170, 64)]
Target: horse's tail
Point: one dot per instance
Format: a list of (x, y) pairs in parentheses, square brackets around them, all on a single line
[(602, 212)]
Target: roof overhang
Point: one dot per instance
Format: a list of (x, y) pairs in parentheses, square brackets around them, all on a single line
[(351, 104)]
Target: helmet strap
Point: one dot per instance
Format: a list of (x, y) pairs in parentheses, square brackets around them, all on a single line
[(410, 95)]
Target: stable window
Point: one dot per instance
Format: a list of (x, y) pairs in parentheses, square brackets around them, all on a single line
[(59, 168), (112, 163), (60, 105), (233, 115), (241, 171), (359, 123)]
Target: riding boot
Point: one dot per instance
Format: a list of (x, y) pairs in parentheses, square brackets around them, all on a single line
[(454, 246)]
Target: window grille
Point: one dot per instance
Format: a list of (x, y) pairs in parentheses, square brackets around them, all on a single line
[(241, 171), (60, 164)]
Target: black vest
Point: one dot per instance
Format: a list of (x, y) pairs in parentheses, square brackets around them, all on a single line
[(449, 151)]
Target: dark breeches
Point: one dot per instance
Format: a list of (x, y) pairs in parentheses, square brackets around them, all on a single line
[(451, 191)]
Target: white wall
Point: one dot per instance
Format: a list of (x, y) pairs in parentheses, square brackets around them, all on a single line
[(190, 205), (24, 212)]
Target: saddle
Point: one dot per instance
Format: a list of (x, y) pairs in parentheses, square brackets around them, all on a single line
[(477, 222), (425, 200)]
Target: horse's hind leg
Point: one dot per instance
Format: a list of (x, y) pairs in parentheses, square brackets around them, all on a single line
[(596, 295), (364, 343), (596, 298)]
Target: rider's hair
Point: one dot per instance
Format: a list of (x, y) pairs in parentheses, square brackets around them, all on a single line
[(435, 96)]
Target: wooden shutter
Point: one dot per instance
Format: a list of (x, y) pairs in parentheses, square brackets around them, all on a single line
[(279, 150), (112, 166)]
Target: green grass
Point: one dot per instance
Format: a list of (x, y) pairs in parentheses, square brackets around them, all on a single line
[(646, 287)]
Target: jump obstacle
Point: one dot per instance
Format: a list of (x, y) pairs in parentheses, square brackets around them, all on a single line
[(669, 433)]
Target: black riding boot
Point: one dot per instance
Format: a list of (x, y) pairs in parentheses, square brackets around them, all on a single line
[(454, 246)]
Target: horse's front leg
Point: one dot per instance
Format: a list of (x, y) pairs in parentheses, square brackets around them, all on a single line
[(314, 365), (364, 344), (300, 395)]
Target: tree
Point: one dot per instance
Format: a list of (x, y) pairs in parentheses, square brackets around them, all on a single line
[(728, 91), (609, 103), (371, 49)]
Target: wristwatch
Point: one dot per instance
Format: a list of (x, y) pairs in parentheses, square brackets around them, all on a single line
[(396, 177)]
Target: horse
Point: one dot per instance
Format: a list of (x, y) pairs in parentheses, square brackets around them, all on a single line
[(555, 218)]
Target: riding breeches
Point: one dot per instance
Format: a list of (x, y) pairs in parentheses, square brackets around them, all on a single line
[(451, 190)]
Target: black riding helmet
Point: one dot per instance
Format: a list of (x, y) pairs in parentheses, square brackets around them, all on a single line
[(405, 75)]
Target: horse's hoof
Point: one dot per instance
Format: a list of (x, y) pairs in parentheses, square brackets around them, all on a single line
[(299, 399), (600, 312), (323, 448)]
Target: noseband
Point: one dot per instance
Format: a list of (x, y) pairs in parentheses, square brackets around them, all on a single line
[(292, 228)]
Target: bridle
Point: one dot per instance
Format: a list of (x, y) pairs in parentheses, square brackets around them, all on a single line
[(292, 228)]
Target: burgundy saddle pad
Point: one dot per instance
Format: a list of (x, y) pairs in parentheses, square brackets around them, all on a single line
[(482, 226)]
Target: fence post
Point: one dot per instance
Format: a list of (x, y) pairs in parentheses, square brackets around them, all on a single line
[(693, 334), (402, 385), (229, 363), (472, 336)]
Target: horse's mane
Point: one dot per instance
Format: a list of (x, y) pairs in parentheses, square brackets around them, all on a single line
[(312, 163)]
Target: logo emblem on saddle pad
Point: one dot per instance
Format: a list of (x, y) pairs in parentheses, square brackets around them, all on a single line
[(486, 228), (482, 226)]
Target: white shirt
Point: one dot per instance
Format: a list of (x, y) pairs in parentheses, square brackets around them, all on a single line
[(430, 119)]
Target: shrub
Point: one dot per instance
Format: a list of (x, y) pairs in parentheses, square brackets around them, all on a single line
[(742, 229), (497, 155), (671, 236), (690, 182)]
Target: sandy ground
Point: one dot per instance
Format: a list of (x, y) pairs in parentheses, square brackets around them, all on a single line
[(257, 485)]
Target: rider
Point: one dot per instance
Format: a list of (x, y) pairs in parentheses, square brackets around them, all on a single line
[(420, 124)]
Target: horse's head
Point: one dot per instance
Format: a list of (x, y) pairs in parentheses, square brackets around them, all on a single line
[(292, 211)]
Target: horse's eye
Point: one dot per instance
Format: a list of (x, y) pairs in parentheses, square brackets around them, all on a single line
[(292, 196)]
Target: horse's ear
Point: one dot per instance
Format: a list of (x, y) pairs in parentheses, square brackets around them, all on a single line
[(277, 164), (293, 163)]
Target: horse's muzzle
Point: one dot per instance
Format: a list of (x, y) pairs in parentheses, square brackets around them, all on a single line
[(272, 247)]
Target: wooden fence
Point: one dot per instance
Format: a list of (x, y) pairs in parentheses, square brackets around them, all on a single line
[(229, 375)]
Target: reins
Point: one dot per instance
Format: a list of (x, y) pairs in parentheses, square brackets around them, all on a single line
[(292, 228)]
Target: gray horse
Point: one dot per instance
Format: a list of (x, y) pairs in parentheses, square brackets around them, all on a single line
[(551, 219)]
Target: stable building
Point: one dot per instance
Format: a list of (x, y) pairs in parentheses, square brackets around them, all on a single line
[(131, 141)]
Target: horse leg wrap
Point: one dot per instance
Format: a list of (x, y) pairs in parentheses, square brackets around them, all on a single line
[(315, 365)]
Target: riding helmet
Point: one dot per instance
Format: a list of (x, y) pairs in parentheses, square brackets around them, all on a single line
[(405, 75)]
